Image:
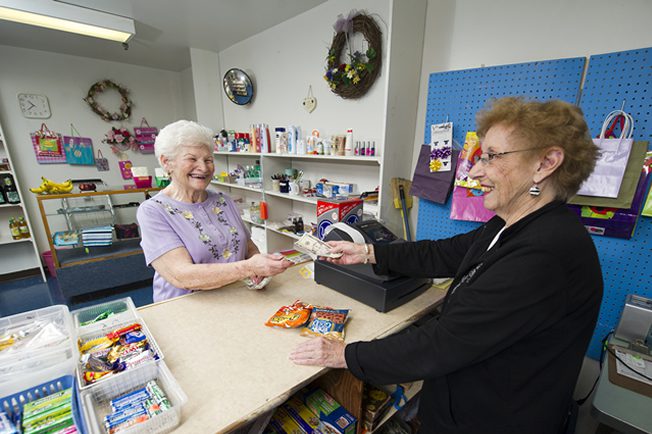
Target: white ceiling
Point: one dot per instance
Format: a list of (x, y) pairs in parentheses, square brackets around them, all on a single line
[(165, 29)]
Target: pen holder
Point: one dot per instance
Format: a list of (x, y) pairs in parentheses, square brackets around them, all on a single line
[(276, 185), (284, 186)]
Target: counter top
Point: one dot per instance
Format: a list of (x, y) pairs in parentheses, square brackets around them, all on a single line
[(234, 368)]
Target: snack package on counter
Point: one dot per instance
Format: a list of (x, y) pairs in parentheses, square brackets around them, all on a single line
[(292, 316), (326, 322)]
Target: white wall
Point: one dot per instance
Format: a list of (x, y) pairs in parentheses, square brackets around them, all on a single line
[(207, 84), (65, 80), (407, 25), (188, 94), (286, 59), (464, 34)]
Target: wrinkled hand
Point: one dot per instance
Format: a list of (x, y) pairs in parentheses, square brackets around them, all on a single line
[(351, 253), (320, 352), (263, 265)]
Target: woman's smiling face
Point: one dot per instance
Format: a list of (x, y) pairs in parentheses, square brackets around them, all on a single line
[(193, 168), (506, 179)]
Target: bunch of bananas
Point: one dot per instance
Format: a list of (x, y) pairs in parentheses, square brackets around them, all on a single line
[(50, 187)]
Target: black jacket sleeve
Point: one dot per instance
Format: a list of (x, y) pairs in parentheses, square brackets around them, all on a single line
[(514, 297), (440, 258)]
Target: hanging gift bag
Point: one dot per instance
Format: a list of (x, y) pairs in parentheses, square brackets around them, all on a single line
[(125, 169), (48, 146), (610, 167), (101, 163), (614, 222), (433, 186), (468, 200), (79, 150), (145, 136)]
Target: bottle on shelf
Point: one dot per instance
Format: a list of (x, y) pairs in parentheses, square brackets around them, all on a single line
[(10, 190), (23, 228), (14, 229)]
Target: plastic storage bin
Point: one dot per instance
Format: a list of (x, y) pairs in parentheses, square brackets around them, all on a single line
[(23, 367), (96, 400), (124, 311), (16, 401), (87, 336)]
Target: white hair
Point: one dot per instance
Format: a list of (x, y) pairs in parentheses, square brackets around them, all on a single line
[(181, 133)]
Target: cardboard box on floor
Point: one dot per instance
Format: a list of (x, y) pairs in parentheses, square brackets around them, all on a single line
[(641, 362)]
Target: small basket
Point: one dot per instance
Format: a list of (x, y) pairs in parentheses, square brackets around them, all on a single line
[(143, 181), (96, 401), (16, 401), (154, 348)]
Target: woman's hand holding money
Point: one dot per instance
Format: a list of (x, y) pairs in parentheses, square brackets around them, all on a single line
[(352, 253)]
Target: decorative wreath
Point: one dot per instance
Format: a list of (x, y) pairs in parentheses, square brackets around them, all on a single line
[(353, 80), (125, 106)]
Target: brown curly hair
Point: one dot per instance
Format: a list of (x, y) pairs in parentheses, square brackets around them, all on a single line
[(543, 125)]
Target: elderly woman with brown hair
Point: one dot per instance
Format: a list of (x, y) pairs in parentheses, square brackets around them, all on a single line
[(505, 353), (194, 237)]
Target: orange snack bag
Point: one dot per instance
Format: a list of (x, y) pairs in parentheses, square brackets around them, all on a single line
[(292, 316)]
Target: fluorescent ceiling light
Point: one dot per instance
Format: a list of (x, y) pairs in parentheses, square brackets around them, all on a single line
[(68, 18)]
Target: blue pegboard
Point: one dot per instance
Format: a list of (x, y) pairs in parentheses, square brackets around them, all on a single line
[(611, 79), (457, 96), (616, 78)]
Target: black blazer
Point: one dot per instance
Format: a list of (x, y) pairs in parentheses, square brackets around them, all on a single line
[(506, 351)]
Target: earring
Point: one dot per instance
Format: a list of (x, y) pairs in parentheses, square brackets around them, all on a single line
[(535, 190)]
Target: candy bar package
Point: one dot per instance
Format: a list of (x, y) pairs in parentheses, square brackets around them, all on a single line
[(326, 322), (292, 316)]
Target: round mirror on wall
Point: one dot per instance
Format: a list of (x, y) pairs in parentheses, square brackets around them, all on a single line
[(238, 86)]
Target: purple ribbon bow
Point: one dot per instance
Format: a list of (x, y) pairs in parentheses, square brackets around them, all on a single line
[(345, 24)]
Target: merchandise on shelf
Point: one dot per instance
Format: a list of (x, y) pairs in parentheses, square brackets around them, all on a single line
[(14, 228), (332, 211), (23, 228), (10, 190)]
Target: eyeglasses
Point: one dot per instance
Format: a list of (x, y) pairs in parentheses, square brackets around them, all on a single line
[(488, 157)]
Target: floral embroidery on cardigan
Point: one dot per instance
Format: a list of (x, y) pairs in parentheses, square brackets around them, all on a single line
[(229, 250)]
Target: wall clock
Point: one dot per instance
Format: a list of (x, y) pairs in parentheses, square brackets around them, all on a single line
[(34, 106)]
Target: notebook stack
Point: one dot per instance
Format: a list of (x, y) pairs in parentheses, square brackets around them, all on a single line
[(97, 236)]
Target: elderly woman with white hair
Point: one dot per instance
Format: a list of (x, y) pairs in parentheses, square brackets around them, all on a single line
[(193, 237)]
